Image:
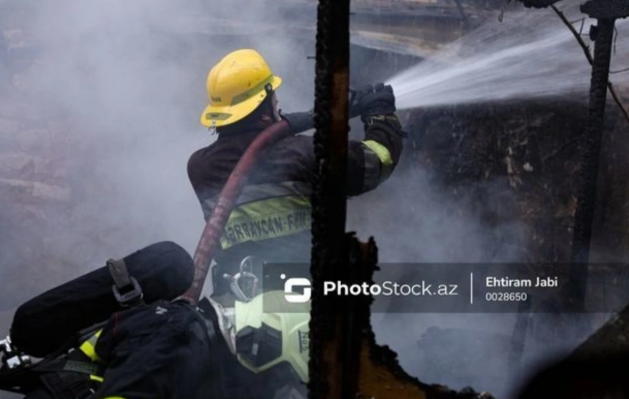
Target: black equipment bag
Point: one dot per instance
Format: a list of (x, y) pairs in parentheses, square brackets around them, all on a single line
[(43, 324)]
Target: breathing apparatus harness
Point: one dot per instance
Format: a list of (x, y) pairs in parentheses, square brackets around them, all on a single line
[(18, 371), (273, 343)]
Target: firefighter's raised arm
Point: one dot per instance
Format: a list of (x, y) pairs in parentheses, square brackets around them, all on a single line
[(371, 161)]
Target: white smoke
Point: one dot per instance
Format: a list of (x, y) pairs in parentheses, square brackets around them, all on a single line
[(128, 78)]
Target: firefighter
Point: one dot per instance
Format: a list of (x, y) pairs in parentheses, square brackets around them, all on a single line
[(146, 343), (271, 219), (170, 349), (232, 348)]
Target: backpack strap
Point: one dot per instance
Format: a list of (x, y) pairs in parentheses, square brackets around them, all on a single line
[(77, 366), (126, 289), (68, 385)]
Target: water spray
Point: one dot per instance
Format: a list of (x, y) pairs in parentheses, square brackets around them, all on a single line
[(512, 61)]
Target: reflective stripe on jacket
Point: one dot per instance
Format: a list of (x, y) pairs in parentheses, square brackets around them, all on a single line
[(265, 211), (88, 346), (275, 204)]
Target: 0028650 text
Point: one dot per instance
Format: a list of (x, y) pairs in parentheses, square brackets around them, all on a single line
[(506, 297)]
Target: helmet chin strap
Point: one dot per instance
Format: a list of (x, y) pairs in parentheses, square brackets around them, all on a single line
[(212, 128), (274, 111)]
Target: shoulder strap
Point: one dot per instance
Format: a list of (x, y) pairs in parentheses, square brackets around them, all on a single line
[(126, 289), (77, 366)]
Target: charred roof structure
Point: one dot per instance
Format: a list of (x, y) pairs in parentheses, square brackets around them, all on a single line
[(538, 3), (520, 142)]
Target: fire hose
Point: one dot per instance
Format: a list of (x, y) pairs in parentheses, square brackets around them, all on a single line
[(13, 379), (213, 230)]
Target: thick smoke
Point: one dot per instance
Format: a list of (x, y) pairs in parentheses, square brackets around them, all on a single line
[(129, 79), (414, 221)]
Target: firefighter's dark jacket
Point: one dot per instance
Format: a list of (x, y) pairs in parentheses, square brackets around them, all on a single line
[(272, 216), (162, 350)]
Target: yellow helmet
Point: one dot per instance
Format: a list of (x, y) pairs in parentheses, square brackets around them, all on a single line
[(236, 86)]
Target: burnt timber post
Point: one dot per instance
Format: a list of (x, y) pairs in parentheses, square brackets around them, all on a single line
[(345, 361), (333, 343), (606, 12)]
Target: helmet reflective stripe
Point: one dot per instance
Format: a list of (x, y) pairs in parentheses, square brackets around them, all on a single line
[(251, 92), (217, 116)]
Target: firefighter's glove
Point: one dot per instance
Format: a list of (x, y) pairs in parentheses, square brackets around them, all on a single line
[(299, 121), (374, 101)]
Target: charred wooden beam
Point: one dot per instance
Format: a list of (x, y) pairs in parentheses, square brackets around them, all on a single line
[(612, 337), (603, 35), (538, 3), (581, 378), (332, 360), (595, 369), (608, 9), (345, 361)]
